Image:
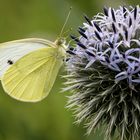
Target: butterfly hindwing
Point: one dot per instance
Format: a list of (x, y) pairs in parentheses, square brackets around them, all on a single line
[(32, 77)]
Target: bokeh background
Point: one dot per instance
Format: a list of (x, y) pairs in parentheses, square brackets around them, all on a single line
[(48, 119)]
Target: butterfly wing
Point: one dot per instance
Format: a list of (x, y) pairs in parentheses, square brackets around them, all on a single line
[(14, 50), (32, 77)]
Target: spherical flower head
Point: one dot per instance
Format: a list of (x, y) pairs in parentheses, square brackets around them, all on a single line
[(104, 73)]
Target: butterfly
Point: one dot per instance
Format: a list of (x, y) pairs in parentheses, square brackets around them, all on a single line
[(29, 67)]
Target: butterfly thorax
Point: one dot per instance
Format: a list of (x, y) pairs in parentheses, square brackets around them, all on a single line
[(60, 43)]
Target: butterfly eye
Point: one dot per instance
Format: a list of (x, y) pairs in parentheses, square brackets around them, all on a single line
[(60, 41)]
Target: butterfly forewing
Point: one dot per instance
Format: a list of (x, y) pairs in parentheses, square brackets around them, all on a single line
[(32, 77), (12, 51)]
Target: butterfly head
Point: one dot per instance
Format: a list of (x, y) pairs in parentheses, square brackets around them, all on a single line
[(60, 41)]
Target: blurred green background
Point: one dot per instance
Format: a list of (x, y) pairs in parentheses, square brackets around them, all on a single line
[(48, 119)]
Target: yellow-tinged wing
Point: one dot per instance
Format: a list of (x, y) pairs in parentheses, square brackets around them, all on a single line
[(31, 78), (14, 50)]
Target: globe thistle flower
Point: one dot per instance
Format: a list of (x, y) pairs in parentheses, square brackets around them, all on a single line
[(104, 73)]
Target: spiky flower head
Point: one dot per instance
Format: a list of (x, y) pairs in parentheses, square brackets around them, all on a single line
[(104, 73)]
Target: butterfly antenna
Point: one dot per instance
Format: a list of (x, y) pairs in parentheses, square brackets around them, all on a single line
[(65, 22)]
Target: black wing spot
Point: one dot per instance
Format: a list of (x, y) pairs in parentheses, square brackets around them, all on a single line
[(10, 62)]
